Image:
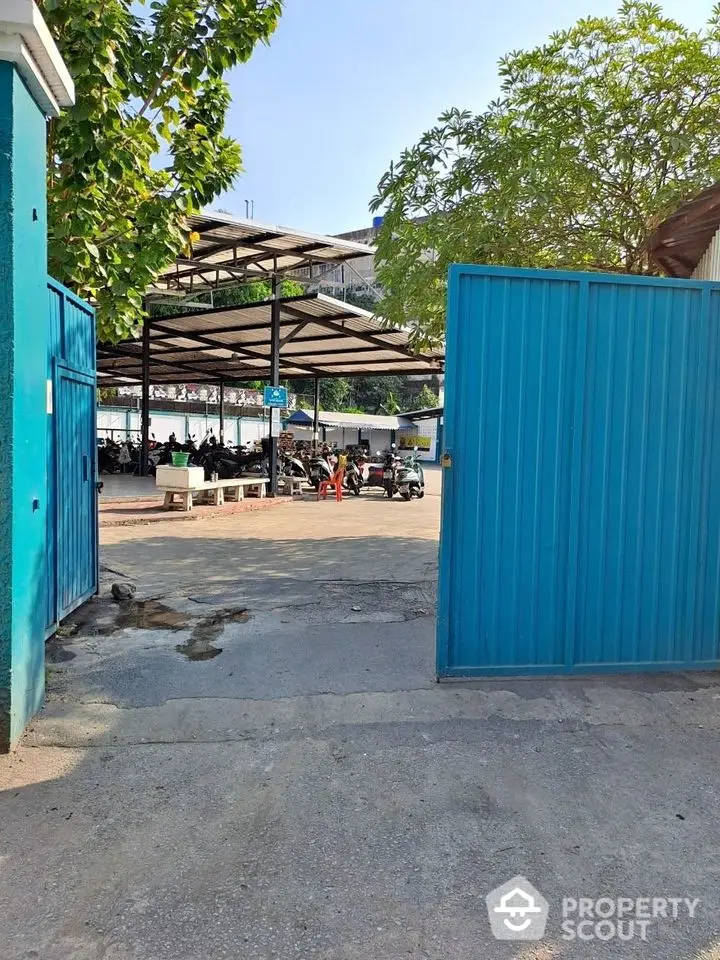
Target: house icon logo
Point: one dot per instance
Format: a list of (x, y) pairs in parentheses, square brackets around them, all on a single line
[(517, 911)]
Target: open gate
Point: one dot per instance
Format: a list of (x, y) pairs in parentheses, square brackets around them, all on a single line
[(72, 522), (581, 502)]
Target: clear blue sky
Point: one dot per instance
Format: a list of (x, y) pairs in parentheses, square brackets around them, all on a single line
[(345, 85)]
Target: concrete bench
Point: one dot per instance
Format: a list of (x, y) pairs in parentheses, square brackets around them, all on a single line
[(291, 486), (214, 492)]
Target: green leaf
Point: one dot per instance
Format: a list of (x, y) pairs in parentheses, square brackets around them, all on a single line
[(596, 136), (115, 219)]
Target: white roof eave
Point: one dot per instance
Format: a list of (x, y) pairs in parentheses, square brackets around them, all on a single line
[(26, 41)]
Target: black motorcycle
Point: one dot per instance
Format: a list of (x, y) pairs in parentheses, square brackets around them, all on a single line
[(229, 464), (389, 474), (353, 476)]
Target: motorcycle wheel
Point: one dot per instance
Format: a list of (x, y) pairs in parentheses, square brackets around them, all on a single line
[(356, 489), (389, 492), (406, 495), (315, 484), (420, 494)]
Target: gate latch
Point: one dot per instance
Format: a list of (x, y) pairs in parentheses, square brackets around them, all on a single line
[(446, 459)]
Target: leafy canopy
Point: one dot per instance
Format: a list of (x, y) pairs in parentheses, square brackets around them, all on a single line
[(595, 138), (144, 145)]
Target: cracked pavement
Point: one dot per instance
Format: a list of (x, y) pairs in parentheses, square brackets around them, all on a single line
[(309, 791)]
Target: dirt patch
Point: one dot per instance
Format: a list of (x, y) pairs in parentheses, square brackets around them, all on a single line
[(56, 653), (140, 512)]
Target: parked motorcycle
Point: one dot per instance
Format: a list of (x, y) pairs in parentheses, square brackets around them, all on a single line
[(292, 466), (319, 470), (353, 475), (388, 473), (228, 463), (410, 478)]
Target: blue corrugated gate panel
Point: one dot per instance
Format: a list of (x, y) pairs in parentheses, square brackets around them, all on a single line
[(581, 513), (77, 509), (72, 535)]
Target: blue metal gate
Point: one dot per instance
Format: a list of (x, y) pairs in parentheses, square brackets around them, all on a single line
[(581, 507), (72, 524)]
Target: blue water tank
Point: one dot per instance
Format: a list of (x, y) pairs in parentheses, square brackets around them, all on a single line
[(377, 222)]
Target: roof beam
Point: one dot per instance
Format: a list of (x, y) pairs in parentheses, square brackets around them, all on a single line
[(239, 349), (329, 323), (348, 315), (239, 264), (164, 340), (293, 333), (373, 363), (240, 306), (124, 354)]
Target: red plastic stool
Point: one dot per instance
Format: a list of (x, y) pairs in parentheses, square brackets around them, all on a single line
[(336, 481)]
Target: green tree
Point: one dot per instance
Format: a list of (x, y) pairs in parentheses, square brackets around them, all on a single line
[(596, 137), (144, 145), (334, 394), (390, 404), (426, 399), (225, 297), (361, 297)]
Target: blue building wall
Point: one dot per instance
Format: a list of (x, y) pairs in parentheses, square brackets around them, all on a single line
[(23, 335)]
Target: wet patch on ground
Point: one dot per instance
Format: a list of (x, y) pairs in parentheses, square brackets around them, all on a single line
[(104, 618), (200, 644), (146, 615), (198, 649)]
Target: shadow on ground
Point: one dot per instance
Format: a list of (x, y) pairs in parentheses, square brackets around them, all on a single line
[(309, 792), (164, 564)]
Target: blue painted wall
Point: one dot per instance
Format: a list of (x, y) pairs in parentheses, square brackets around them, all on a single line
[(581, 513), (23, 352)]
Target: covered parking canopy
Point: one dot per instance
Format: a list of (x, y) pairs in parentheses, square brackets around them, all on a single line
[(226, 250), (277, 339), (318, 337)]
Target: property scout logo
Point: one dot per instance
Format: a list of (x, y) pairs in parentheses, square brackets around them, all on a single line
[(518, 911)]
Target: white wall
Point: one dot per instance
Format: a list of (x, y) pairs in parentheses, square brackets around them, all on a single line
[(163, 424), (708, 267), (251, 430), (347, 437), (110, 424), (425, 428)]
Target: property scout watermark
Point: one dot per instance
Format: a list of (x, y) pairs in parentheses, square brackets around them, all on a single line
[(518, 911)]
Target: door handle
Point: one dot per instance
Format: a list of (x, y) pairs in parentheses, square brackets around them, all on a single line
[(86, 466)]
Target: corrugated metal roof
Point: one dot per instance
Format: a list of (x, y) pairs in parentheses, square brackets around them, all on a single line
[(680, 241), (357, 421), (320, 337), (429, 413), (229, 249)]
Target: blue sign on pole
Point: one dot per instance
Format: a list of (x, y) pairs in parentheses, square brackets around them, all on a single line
[(275, 397)]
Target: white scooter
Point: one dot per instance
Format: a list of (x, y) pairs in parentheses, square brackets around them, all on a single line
[(410, 478)]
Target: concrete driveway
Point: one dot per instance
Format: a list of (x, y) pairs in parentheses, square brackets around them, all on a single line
[(254, 761)]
